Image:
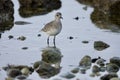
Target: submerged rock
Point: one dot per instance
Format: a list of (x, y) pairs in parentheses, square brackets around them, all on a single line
[(115, 78), (30, 8), (112, 68), (115, 60), (14, 71), (46, 70), (52, 55), (22, 38), (85, 42), (75, 70), (85, 62), (68, 75), (24, 48), (100, 62), (21, 23), (10, 36), (100, 45), (108, 76)]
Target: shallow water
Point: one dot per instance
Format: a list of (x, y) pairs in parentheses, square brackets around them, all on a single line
[(11, 51)]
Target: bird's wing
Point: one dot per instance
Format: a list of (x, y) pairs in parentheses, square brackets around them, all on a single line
[(47, 26)]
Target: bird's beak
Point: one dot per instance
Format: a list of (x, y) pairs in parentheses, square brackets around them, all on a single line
[(61, 17)]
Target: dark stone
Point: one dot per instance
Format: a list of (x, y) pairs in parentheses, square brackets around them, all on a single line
[(75, 70), (108, 76), (13, 73), (22, 38), (85, 62), (85, 42), (6, 15), (68, 75), (30, 8), (70, 37), (51, 55), (100, 45), (112, 68), (21, 23), (45, 70), (24, 48), (115, 60), (39, 35), (10, 36)]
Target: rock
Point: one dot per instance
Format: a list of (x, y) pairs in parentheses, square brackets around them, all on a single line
[(21, 77), (39, 35), (85, 42), (29, 8), (21, 23), (115, 60), (25, 71), (83, 71), (76, 18), (22, 38), (95, 59), (102, 69), (115, 78), (100, 62), (100, 45), (6, 15), (51, 55), (95, 69), (70, 37), (85, 62), (68, 75), (112, 68), (108, 76), (10, 36), (75, 70), (13, 73), (14, 70), (24, 48), (46, 70), (36, 65)]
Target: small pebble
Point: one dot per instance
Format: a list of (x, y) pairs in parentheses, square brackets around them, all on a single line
[(39, 35), (85, 42), (10, 37), (70, 37), (75, 70), (24, 48)]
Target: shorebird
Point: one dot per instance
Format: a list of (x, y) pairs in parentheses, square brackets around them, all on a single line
[(54, 27)]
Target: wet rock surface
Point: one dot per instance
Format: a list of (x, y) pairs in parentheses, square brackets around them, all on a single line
[(21, 23), (6, 15), (108, 76), (14, 71), (30, 8), (106, 13), (112, 68), (85, 62), (46, 70), (100, 45), (115, 60)]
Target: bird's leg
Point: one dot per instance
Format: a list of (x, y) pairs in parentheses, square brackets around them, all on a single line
[(48, 40), (54, 41)]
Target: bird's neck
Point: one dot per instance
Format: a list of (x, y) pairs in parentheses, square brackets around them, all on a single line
[(57, 19)]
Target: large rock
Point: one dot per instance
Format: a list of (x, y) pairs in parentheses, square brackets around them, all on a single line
[(30, 8), (106, 13), (6, 15), (100, 45)]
